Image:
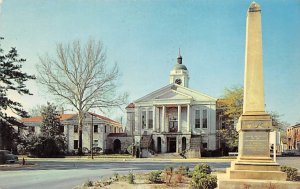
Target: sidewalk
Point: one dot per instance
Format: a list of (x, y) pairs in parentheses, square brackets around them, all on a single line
[(6, 167), (129, 159)]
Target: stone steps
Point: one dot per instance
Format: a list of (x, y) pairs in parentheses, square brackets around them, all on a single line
[(255, 174), (195, 143)]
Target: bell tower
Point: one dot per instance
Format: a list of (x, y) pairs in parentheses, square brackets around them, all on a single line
[(179, 74)]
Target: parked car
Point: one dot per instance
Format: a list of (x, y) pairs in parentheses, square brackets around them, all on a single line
[(288, 153), (7, 157)]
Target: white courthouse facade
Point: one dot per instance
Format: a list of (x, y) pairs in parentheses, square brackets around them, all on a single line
[(174, 118)]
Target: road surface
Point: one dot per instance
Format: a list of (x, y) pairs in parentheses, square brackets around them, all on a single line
[(66, 174)]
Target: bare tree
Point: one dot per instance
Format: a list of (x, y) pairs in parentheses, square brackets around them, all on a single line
[(78, 75), (36, 110)]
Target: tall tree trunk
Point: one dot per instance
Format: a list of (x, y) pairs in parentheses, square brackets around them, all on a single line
[(80, 120)]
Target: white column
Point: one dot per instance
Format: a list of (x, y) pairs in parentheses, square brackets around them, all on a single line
[(147, 117), (188, 119), (179, 118), (154, 118), (163, 119)]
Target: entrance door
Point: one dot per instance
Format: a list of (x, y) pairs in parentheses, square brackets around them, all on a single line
[(171, 144), (117, 146), (183, 143), (158, 145)]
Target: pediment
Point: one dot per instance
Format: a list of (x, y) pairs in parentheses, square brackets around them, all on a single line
[(173, 92)]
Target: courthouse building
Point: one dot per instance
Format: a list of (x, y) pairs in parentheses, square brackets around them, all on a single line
[(173, 118)]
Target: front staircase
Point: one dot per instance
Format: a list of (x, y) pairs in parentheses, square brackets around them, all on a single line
[(195, 147), (146, 141)]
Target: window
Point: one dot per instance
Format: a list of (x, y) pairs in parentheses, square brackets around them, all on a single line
[(204, 145), (143, 119), (204, 119), (95, 144), (197, 119), (75, 128), (105, 129), (75, 144), (61, 129), (150, 120), (95, 128), (115, 130)]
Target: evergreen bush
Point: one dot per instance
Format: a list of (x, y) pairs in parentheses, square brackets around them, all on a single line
[(203, 181), (291, 173), (155, 177), (88, 183), (202, 168)]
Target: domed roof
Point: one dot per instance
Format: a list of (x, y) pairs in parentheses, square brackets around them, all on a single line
[(179, 67)]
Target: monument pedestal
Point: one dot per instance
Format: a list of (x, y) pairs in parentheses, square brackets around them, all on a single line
[(254, 168), (254, 161)]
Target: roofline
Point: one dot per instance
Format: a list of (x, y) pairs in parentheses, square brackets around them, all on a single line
[(150, 94), (115, 123), (198, 92)]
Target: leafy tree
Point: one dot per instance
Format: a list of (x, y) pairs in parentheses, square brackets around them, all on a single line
[(51, 141), (79, 77), (231, 108), (51, 125), (9, 137), (12, 80), (278, 125)]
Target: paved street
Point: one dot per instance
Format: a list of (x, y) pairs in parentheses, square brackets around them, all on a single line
[(61, 173), (67, 174)]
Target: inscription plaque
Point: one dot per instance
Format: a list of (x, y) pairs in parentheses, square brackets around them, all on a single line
[(255, 143)]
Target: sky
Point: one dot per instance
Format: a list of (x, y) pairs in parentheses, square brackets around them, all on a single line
[(144, 36)]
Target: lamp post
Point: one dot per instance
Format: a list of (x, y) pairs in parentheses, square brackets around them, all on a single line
[(92, 136)]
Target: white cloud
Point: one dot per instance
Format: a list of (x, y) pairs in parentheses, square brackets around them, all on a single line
[(1, 1)]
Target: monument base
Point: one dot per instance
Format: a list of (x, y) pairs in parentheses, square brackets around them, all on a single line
[(225, 183), (255, 169)]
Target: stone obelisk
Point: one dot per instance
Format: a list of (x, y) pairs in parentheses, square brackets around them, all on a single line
[(254, 161)]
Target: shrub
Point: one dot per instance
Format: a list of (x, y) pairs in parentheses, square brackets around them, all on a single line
[(155, 177), (291, 172), (88, 183), (184, 170), (202, 168), (131, 178), (168, 171), (203, 181), (116, 176)]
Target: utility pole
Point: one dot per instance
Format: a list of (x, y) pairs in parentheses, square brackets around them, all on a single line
[(92, 136)]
